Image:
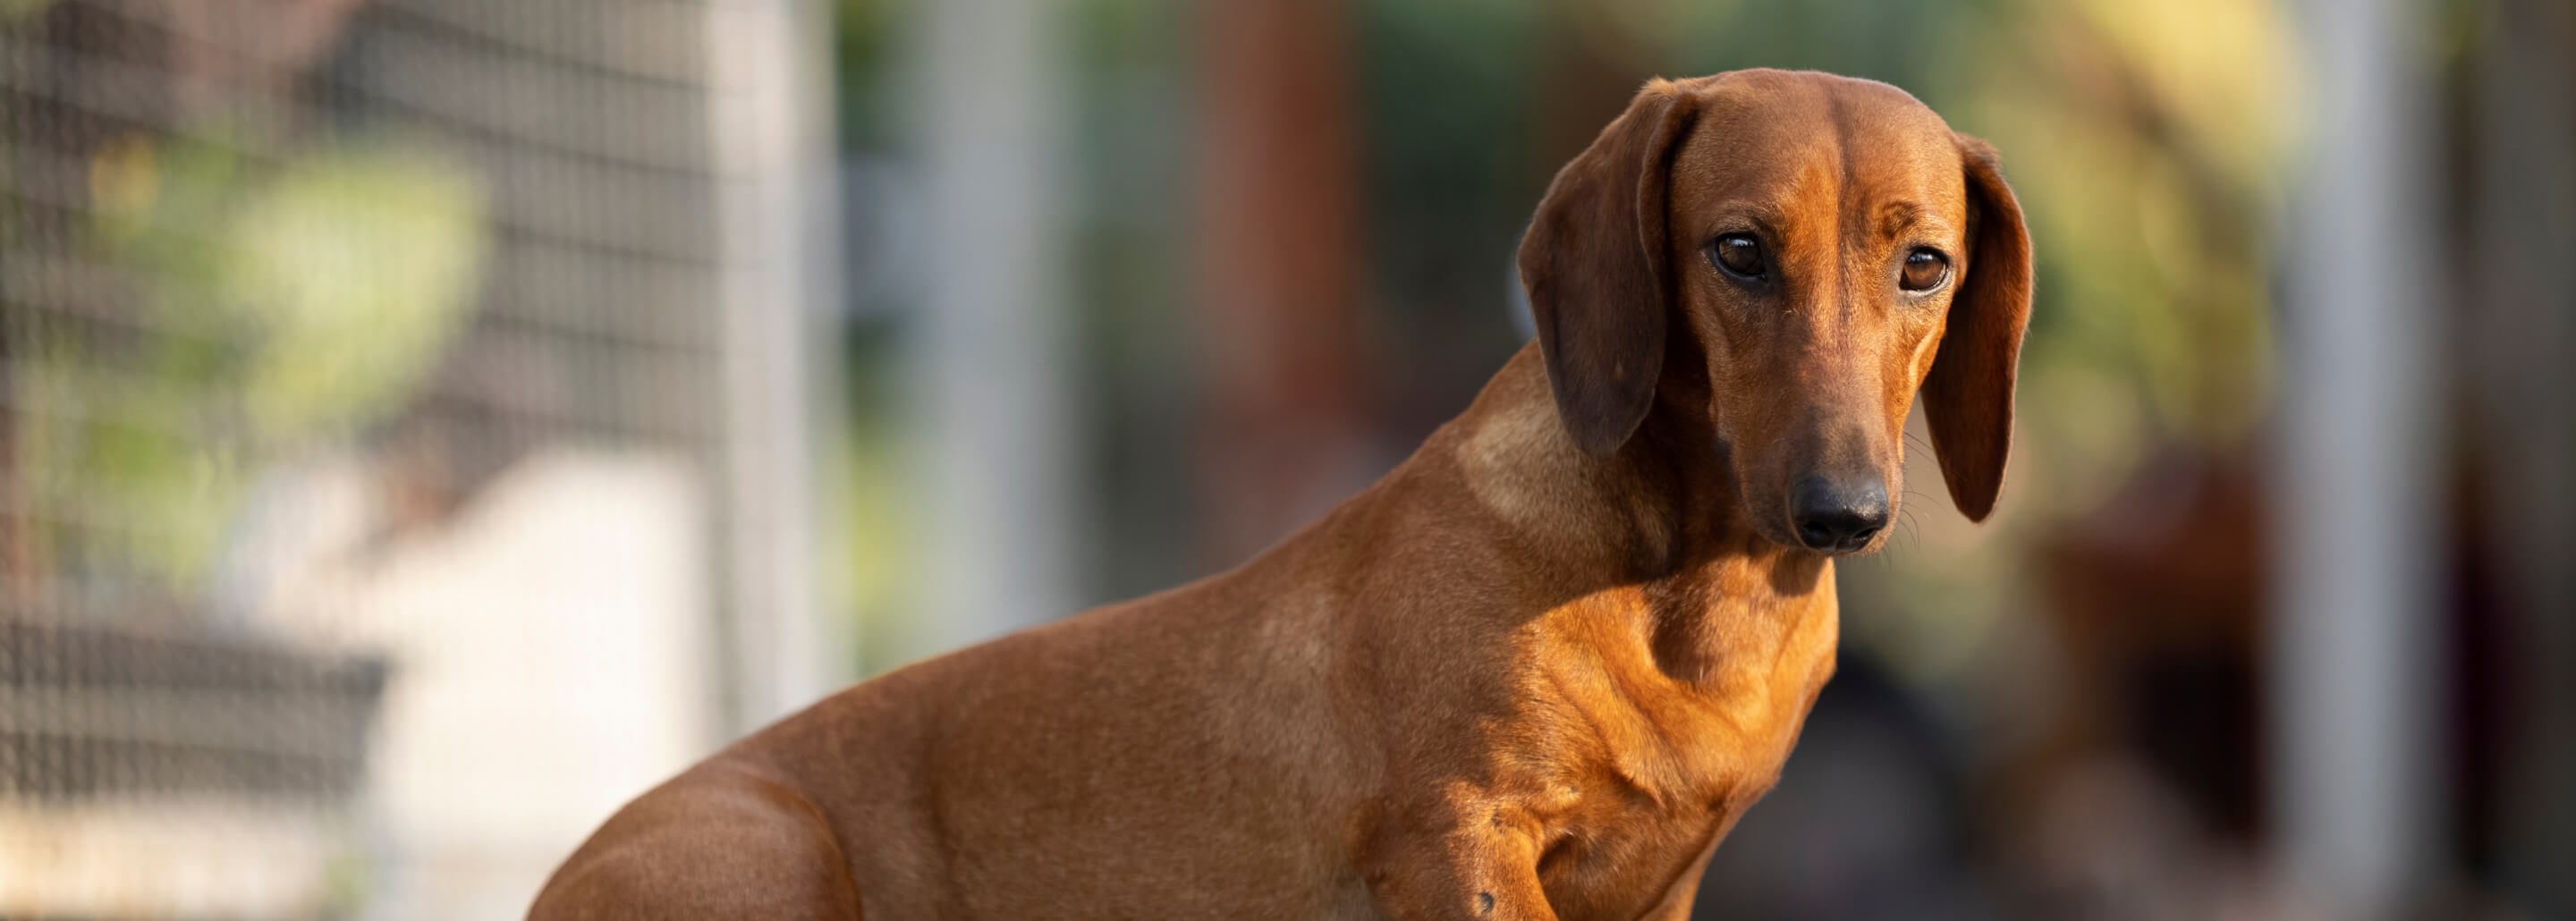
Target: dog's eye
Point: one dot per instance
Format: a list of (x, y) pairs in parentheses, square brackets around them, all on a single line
[(1925, 269), (1737, 253)]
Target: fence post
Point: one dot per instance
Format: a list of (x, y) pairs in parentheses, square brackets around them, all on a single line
[(772, 147), (2356, 694), (992, 350)]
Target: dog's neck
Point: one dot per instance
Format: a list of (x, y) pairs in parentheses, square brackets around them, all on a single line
[(1661, 511), (1665, 500), (1655, 524)]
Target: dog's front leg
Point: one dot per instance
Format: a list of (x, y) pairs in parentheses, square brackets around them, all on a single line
[(1451, 861)]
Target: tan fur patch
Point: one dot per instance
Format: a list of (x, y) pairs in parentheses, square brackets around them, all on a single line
[(1521, 466)]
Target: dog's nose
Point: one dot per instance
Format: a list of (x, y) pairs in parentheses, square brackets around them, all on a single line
[(1838, 517)]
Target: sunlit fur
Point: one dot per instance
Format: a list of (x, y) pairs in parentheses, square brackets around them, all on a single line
[(1537, 671)]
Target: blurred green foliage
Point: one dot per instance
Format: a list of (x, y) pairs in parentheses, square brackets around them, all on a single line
[(276, 306), (22, 9)]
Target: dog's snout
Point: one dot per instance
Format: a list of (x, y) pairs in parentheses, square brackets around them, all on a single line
[(1838, 516)]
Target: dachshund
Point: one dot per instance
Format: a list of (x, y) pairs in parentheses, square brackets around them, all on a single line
[(1536, 672)]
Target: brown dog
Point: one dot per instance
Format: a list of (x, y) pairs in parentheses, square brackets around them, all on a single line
[(1535, 672)]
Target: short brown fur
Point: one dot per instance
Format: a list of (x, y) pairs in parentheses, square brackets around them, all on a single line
[(1538, 671)]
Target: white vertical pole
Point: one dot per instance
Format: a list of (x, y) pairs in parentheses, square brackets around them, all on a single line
[(2355, 531), (773, 152), (992, 384)]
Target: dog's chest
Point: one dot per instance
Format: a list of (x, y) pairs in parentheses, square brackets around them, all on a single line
[(1655, 736)]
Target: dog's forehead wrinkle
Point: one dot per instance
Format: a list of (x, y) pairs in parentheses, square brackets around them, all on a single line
[(1901, 215), (1844, 150)]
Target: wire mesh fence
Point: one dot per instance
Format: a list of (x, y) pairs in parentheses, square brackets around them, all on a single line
[(338, 336)]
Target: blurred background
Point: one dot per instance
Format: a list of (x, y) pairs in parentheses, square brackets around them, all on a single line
[(426, 424)]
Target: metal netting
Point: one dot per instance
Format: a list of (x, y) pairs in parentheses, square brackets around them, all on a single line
[(268, 263)]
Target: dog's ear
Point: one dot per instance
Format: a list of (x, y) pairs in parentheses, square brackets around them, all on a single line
[(1968, 397), (1597, 268)]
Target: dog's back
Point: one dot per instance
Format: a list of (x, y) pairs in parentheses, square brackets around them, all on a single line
[(1175, 756)]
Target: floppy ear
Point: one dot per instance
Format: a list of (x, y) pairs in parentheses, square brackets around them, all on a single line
[(1968, 396), (1597, 268)]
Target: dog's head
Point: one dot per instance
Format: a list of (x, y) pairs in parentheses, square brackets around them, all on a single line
[(1826, 246)]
